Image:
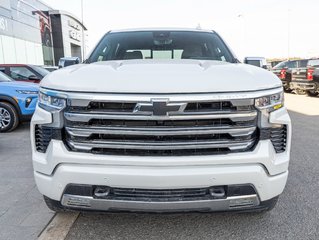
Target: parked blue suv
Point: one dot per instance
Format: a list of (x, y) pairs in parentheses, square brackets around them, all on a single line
[(17, 102)]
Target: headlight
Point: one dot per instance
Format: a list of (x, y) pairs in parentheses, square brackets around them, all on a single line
[(27, 92), (51, 103), (271, 102)]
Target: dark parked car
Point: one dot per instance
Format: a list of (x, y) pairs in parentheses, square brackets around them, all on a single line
[(300, 79), (68, 61), (24, 72), (281, 70), (274, 63), (315, 80), (256, 61), (50, 68)]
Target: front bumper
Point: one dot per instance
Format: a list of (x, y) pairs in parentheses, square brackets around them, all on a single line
[(263, 168), (303, 85), (285, 83), (53, 186)]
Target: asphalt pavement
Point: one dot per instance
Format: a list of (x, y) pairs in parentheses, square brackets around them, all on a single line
[(23, 213)]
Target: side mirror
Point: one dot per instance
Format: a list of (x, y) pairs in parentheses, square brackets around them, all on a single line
[(33, 78), (68, 61)]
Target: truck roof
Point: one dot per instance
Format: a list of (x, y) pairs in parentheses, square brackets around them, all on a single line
[(161, 29), (255, 58)]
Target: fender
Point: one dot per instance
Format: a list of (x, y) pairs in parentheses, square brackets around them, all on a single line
[(13, 102)]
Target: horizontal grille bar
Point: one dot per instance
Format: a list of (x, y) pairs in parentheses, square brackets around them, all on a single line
[(89, 145), (88, 131), (159, 193), (128, 107), (234, 116)]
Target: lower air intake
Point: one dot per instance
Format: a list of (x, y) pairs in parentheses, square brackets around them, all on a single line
[(278, 137)]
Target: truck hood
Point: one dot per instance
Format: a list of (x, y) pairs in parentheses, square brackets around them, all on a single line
[(161, 76)]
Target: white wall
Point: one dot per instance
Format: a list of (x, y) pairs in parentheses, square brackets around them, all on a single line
[(20, 49), (30, 52), (8, 47), (1, 52), (13, 50)]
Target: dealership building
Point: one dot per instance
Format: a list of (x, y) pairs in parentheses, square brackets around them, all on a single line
[(34, 33)]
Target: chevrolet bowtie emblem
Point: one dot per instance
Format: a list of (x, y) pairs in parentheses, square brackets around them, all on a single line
[(159, 107)]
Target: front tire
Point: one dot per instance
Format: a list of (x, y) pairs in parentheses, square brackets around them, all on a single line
[(9, 118), (287, 90), (312, 93)]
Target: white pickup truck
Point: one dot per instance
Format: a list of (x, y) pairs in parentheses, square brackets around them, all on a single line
[(161, 120)]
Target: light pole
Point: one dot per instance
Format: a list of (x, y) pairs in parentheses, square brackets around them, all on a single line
[(243, 33), (288, 36), (83, 38)]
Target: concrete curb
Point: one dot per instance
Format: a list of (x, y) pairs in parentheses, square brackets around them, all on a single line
[(59, 227)]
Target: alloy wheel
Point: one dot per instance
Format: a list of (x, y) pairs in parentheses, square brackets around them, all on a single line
[(5, 118)]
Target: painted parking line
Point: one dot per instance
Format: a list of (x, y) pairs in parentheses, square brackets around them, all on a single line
[(59, 227)]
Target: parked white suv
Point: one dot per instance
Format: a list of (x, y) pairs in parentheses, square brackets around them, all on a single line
[(161, 120)]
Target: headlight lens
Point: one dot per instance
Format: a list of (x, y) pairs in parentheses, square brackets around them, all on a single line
[(271, 102), (27, 92), (51, 103)]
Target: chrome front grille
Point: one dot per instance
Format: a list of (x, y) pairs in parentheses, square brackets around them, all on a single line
[(197, 128)]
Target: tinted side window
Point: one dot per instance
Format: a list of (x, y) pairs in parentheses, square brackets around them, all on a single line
[(281, 65), (314, 63), (20, 73), (292, 64), (254, 62), (4, 78), (303, 63)]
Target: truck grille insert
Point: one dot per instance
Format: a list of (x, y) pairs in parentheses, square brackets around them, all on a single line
[(278, 137), (160, 195), (200, 128), (43, 137)]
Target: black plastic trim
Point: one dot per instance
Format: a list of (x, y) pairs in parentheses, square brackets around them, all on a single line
[(43, 136)]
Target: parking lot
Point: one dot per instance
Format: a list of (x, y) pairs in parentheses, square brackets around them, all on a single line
[(23, 214)]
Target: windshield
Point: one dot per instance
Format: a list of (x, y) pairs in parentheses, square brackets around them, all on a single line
[(161, 45), (43, 72), (4, 78)]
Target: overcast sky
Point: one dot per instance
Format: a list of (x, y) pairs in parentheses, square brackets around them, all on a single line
[(250, 27)]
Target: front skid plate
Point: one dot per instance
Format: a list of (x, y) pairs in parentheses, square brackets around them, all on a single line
[(93, 204)]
